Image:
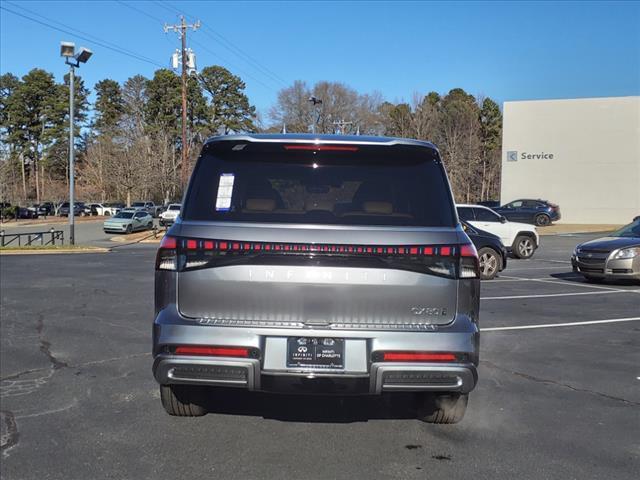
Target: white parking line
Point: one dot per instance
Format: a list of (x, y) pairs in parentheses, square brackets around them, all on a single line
[(575, 284), (548, 267), (554, 325), (571, 294)]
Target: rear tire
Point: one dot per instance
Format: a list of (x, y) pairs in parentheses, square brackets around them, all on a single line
[(183, 400), (490, 262), (442, 408), (523, 246), (542, 220)]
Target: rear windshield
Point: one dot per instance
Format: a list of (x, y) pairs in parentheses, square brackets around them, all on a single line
[(402, 186), (174, 207), (138, 204)]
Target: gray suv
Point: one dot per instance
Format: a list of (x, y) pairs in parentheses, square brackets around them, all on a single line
[(317, 265)]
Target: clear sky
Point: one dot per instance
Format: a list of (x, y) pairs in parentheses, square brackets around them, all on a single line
[(508, 51)]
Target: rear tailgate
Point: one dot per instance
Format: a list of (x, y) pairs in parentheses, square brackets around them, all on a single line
[(352, 236), (317, 286)]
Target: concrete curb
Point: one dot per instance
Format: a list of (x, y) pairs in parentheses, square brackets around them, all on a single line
[(53, 252)]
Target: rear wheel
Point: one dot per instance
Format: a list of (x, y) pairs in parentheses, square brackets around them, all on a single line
[(524, 246), (441, 408), (183, 400), (542, 220), (489, 263)]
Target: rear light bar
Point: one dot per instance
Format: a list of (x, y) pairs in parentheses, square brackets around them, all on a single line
[(396, 356), (454, 260), (205, 351)]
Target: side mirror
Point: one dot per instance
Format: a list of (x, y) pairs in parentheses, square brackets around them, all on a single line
[(503, 219)]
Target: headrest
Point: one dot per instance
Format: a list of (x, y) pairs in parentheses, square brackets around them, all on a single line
[(261, 204), (384, 208)]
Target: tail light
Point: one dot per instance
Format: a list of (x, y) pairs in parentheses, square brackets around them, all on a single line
[(167, 256), (207, 351), (451, 261), (411, 356)]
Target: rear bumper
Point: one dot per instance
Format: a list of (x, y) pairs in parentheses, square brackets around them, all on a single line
[(270, 373)]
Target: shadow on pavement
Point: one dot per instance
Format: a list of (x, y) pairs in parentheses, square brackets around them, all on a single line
[(310, 408)]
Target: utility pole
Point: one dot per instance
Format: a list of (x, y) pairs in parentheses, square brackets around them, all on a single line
[(339, 126), (181, 30)]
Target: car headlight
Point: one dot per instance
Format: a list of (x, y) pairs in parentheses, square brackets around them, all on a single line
[(627, 253)]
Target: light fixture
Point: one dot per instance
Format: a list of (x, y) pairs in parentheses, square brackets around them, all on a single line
[(84, 55), (67, 49)]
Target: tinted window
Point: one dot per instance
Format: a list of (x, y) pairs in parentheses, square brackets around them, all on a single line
[(631, 230), (137, 204), (516, 204), (484, 215), (530, 203), (269, 183), (465, 213), (140, 215), (174, 207)]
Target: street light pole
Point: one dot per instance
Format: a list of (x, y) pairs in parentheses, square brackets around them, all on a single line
[(72, 238), (73, 59)]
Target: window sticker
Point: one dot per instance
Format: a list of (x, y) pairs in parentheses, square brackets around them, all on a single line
[(225, 192)]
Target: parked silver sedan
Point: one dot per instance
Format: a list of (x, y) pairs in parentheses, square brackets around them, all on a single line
[(128, 222), (615, 257)]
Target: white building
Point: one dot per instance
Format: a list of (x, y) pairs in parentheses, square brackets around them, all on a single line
[(582, 154)]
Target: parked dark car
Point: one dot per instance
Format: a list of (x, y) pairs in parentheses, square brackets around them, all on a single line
[(537, 212), (491, 251), (78, 209), (44, 209), (615, 257), (24, 212)]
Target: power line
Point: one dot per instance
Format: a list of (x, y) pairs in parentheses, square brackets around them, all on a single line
[(85, 36), (142, 12), (244, 72), (205, 48), (229, 45)]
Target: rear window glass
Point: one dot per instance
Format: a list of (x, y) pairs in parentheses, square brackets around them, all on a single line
[(371, 186)]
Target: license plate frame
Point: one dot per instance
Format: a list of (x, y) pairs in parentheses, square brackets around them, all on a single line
[(316, 353)]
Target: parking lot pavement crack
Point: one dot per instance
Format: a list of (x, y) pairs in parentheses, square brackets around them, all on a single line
[(559, 384), (9, 435), (45, 346)]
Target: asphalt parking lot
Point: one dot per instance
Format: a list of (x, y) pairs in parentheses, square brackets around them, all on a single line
[(78, 399)]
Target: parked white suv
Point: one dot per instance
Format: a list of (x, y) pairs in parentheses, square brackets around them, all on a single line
[(170, 214), (521, 239)]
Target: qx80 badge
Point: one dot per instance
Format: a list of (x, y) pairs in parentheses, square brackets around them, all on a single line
[(428, 311)]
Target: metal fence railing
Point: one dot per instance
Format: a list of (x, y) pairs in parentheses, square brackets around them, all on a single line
[(51, 237)]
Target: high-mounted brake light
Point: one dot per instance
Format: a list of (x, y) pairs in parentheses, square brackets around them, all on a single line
[(212, 351), (323, 148), (419, 357)]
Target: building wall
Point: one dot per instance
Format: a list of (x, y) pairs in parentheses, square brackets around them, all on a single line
[(582, 154)]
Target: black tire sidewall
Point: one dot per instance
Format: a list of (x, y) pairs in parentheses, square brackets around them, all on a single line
[(546, 220)]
